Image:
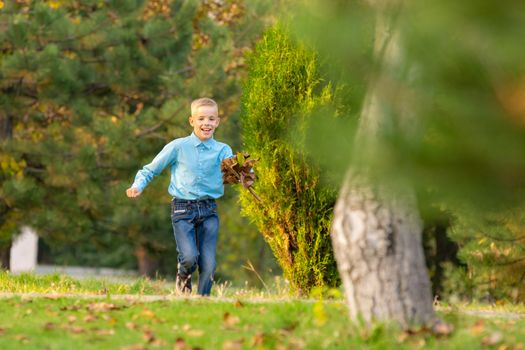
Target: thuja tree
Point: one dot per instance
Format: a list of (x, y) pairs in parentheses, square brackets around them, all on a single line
[(283, 88)]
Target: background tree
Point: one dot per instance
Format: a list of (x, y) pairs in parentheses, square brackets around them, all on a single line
[(283, 87), (93, 91)]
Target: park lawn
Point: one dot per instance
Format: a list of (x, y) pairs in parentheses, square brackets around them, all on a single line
[(110, 323)]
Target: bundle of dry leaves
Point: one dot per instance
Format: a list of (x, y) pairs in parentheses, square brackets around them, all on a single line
[(239, 169)]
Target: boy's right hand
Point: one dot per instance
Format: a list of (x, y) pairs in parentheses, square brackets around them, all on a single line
[(132, 192)]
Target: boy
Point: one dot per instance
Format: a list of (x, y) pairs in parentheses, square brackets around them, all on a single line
[(196, 181)]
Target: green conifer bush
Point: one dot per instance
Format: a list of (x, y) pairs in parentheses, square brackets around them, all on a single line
[(283, 88)]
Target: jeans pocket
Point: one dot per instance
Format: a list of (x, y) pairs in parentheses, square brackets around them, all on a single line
[(179, 210)]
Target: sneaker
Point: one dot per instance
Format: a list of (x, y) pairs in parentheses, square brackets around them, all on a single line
[(183, 284)]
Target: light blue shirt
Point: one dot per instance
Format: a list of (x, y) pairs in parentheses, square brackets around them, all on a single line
[(195, 168)]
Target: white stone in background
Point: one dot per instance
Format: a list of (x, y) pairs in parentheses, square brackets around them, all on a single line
[(24, 251)]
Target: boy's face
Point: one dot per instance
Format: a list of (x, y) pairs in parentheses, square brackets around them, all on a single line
[(204, 121)]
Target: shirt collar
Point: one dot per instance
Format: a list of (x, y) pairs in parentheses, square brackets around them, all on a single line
[(196, 141)]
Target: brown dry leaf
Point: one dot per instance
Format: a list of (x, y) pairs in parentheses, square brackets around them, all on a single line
[(131, 325), (195, 333), (159, 342), (402, 336), (105, 331), (49, 326), (180, 344), (503, 346), (90, 318), (71, 319), (74, 329), (257, 339), (477, 327), (22, 338), (492, 339), (297, 343), (148, 336), (229, 320), (74, 307), (147, 313), (238, 304), (103, 307), (233, 344), (420, 344), (134, 347), (2, 330), (442, 329)]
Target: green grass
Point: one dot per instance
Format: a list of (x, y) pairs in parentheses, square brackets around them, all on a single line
[(62, 284), (57, 283), (110, 322)]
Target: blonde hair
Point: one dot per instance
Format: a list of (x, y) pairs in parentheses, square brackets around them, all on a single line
[(203, 101)]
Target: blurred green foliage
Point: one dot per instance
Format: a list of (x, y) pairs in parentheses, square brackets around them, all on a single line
[(456, 126), (283, 88)]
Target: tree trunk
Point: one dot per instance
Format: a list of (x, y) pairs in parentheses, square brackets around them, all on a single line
[(148, 266), (5, 257), (6, 132), (377, 245), (376, 230)]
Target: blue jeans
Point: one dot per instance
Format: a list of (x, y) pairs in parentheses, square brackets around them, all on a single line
[(196, 228)]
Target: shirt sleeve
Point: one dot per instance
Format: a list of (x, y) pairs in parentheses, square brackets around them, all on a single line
[(166, 157), (226, 152)]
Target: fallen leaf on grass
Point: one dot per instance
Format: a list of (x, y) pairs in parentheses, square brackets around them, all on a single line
[(180, 344), (90, 318), (2, 330), (49, 326), (131, 325), (257, 339), (296, 344), (104, 331), (147, 313), (103, 307), (159, 342), (233, 344), (442, 329), (288, 330), (148, 336), (492, 339), (74, 329), (74, 307), (401, 337), (71, 319), (22, 338), (229, 320), (477, 327), (195, 333), (238, 304), (134, 347)]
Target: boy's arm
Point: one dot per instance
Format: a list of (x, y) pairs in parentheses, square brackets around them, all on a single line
[(226, 152), (144, 176)]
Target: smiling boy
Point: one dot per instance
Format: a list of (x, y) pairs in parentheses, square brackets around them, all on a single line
[(196, 181)]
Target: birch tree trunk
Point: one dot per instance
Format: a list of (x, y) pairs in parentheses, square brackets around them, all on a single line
[(376, 231)]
